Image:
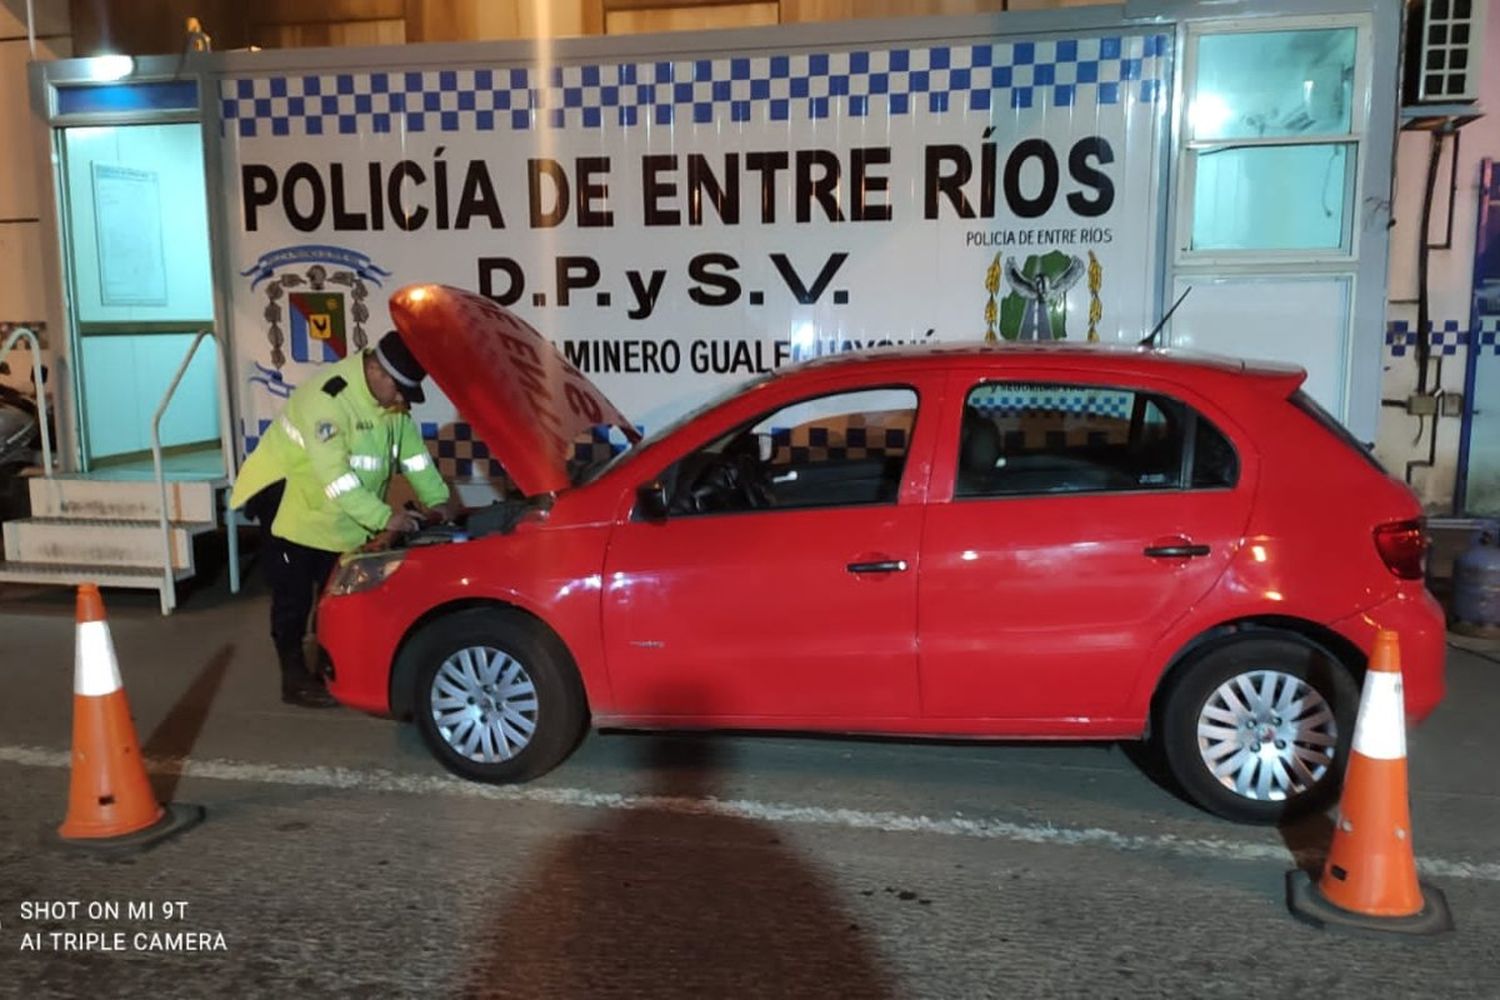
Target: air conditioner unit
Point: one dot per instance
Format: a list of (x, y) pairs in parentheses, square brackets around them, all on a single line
[(1445, 46)]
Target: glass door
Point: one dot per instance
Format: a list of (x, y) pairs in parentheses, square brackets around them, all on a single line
[(1479, 458), (1275, 123), (136, 239)]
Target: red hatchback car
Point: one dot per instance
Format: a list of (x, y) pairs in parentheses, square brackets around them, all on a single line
[(1040, 541)]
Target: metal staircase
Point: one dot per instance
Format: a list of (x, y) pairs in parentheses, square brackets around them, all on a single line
[(119, 531), (109, 532)]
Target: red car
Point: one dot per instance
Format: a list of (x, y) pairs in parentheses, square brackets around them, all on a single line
[(1021, 541)]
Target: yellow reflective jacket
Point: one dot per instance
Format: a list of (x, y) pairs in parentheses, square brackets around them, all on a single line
[(336, 447)]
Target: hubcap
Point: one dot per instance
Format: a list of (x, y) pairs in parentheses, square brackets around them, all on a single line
[(1267, 736), (484, 704)]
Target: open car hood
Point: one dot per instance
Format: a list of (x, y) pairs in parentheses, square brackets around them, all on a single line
[(522, 397)]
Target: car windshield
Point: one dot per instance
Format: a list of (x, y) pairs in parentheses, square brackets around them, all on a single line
[(590, 471)]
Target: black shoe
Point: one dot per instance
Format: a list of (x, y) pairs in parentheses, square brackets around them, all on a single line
[(310, 696)]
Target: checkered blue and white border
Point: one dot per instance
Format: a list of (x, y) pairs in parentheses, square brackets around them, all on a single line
[(1489, 334), (1100, 404), (1112, 69), (1446, 337), (460, 455)]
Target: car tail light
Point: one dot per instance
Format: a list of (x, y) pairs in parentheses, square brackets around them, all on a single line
[(1403, 546)]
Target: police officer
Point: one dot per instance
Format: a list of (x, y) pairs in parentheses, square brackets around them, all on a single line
[(317, 484)]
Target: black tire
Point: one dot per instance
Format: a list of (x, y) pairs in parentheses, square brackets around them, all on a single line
[(15, 494), (558, 708), (1267, 660)]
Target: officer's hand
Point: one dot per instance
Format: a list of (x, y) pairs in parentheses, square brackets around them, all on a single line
[(443, 512), (384, 540), (402, 521)]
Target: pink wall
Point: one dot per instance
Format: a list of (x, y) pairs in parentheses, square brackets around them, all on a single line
[(1449, 279)]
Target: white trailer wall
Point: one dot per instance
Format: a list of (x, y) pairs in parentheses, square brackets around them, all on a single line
[(677, 223)]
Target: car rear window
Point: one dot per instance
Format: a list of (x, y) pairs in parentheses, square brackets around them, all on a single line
[(1032, 438), (1302, 401)]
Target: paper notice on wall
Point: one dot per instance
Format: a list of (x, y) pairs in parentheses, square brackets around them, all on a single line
[(127, 220)]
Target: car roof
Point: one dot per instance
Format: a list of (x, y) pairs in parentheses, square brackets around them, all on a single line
[(1069, 354)]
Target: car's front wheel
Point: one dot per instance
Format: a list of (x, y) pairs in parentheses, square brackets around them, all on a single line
[(1257, 727), (496, 698)]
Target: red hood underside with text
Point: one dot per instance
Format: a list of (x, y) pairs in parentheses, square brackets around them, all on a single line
[(523, 398)]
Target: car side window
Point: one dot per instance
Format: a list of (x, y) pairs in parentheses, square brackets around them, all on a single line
[(1215, 462), (1019, 439), (829, 451)]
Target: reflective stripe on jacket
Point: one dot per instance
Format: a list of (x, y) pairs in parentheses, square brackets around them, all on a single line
[(336, 447)]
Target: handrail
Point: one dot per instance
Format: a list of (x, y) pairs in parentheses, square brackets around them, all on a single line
[(41, 390), (227, 451), (169, 576)]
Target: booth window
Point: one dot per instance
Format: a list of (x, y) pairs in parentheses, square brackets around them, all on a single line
[(1273, 145)]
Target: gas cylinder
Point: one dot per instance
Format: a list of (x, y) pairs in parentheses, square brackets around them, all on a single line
[(1476, 588)]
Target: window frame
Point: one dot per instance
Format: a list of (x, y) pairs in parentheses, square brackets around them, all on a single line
[(1191, 416), (1192, 149), (744, 426)]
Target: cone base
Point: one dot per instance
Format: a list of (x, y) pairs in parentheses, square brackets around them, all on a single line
[(1309, 905), (176, 817)]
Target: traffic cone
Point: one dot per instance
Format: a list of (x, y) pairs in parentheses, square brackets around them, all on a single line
[(110, 802), (1370, 879)]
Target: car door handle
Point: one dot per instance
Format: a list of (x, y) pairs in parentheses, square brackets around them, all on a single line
[(881, 566), (1176, 551)]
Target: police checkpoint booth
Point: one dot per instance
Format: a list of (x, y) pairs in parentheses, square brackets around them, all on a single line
[(681, 212)]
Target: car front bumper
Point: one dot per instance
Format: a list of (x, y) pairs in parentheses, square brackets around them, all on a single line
[(360, 636)]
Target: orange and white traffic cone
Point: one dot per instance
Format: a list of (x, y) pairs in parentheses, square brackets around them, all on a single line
[(110, 802), (1370, 879)]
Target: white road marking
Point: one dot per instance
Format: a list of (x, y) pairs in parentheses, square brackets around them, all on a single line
[(766, 812)]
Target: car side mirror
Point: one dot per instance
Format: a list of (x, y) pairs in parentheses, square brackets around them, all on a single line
[(651, 501)]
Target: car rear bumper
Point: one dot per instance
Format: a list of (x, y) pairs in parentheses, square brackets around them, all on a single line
[(355, 633), (1418, 619)]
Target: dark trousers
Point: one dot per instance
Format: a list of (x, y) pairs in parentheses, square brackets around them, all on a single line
[(296, 574)]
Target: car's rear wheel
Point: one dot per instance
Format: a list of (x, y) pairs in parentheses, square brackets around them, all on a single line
[(1257, 728), (496, 697)]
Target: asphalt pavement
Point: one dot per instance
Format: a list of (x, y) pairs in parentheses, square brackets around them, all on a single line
[(337, 859)]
